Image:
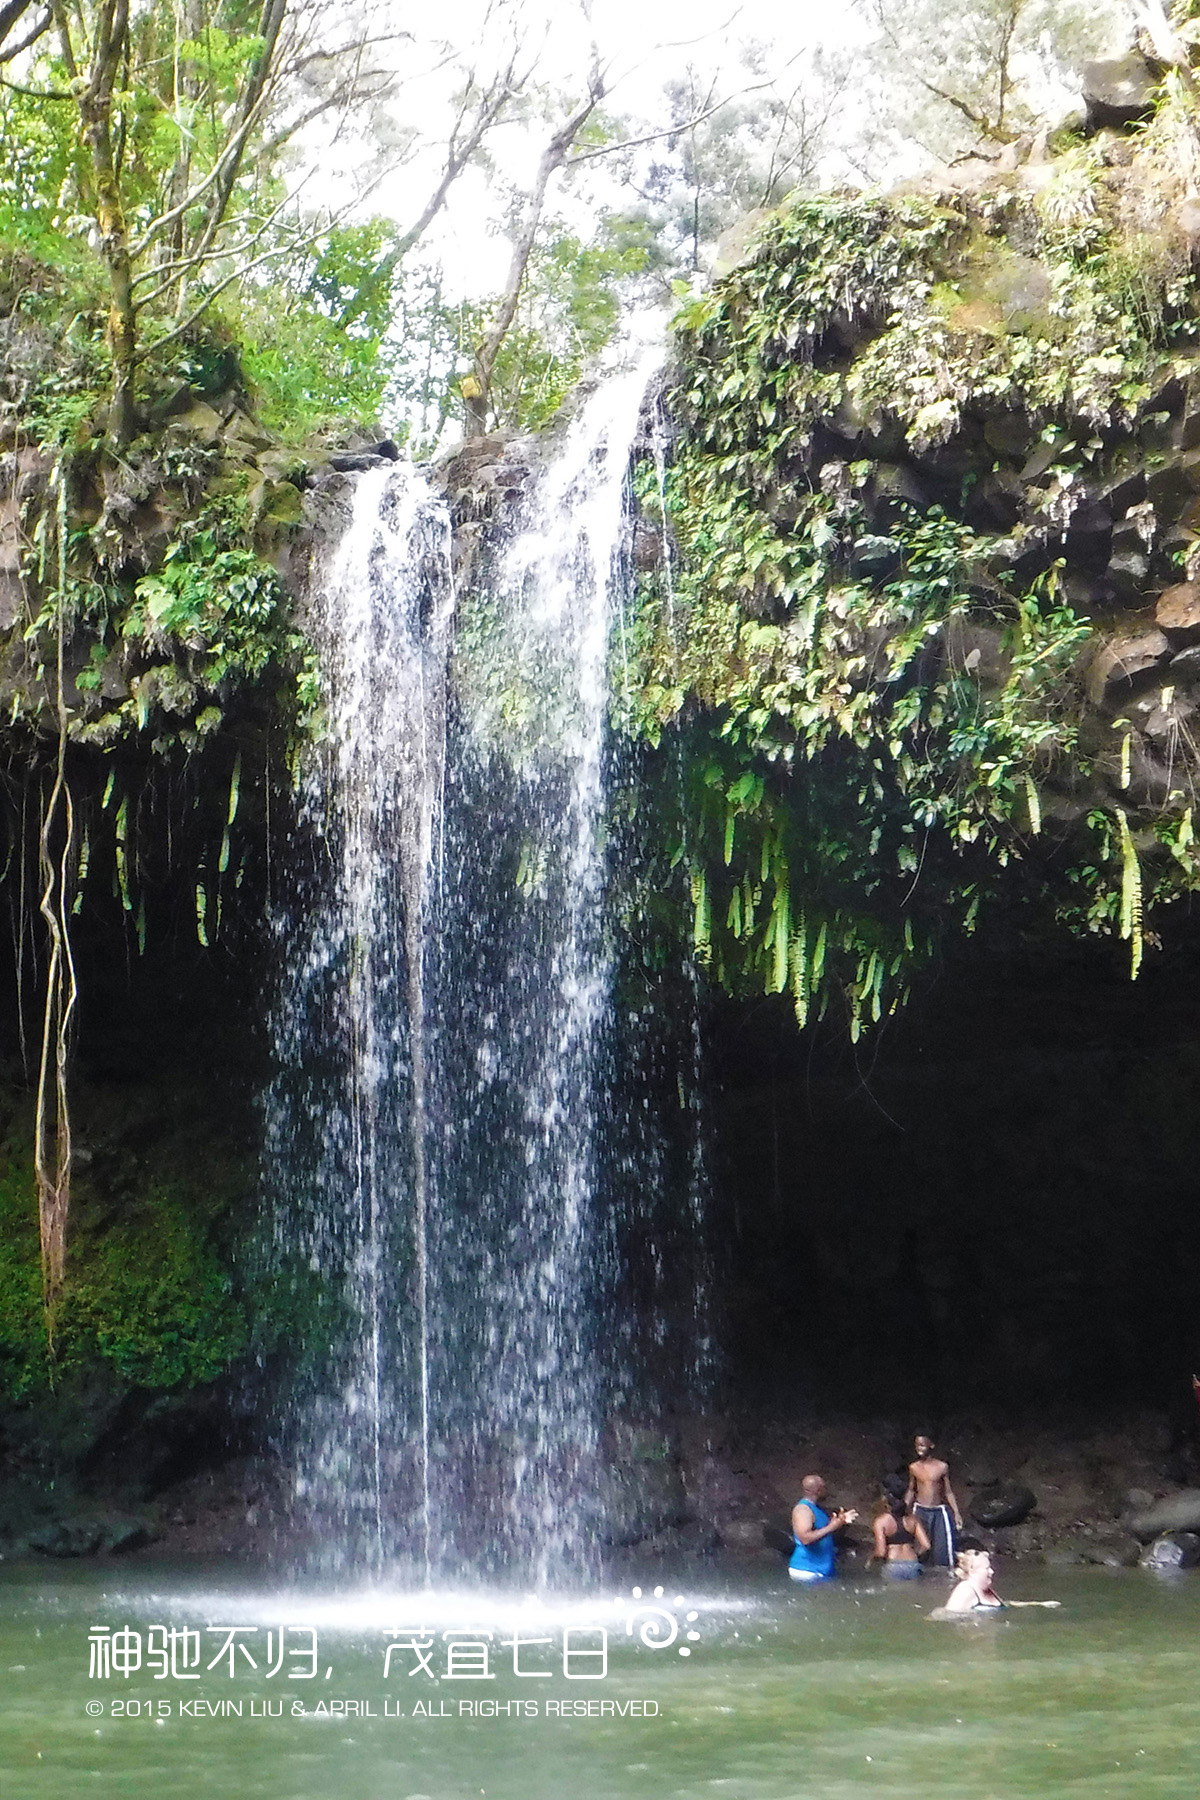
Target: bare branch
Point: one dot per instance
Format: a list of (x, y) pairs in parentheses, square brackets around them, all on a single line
[(9, 17), (170, 273), (14, 87), (669, 131), (239, 274)]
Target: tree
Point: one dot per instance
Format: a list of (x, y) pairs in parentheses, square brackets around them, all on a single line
[(184, 113), (726, 158), (22, 23), (477, 390), (954, 73)]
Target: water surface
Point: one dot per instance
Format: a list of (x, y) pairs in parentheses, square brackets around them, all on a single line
[(844, 1694)]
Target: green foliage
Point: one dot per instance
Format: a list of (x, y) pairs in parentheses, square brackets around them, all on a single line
[(315, 313), (570, 306), (923, 281), (168, 651), (150, 1296), (317, 341), (22, 1328), (870, 704), (223, 603)]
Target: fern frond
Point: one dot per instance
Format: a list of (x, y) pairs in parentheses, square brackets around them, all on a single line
[(1131, 896)]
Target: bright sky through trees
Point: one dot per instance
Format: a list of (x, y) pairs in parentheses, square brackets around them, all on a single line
[(644, 44)]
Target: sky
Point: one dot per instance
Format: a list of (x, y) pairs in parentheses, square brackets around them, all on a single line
[(644, 43)]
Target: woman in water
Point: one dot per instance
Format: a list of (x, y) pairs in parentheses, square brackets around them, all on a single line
[(975, 1593), (900, 1538)]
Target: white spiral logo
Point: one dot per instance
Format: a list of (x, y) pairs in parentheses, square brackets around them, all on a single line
[(658, 1628)]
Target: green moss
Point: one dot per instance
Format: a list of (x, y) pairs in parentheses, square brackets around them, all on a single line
[(22, 1335), (152, 1299)]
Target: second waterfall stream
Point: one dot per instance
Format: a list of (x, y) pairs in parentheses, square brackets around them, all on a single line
[(438, 1130)]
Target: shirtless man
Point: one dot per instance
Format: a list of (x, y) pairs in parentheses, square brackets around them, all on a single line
[(932, 1500)]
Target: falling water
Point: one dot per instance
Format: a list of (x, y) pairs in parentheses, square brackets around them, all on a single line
[(444, 1109), (346, 1138)]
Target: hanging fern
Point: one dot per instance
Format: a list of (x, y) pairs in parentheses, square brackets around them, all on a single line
[(1131, 896)]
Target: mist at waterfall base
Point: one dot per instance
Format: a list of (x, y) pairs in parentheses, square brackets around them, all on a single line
[(487, 1219)]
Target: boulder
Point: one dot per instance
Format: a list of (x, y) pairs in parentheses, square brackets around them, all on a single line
[(68, 1537), (123, 1539), (640, 1499), (1172, 486), (1064, 1556), (1006, 1504), (739, 243), (1118, 90), (746, 1534), (1114, 1553), (1177, 1512), (1020, 288), (1010, 433), (894, 486), (1128, 571), (1124, 657), (1174, 1550), (357, 462), (778, 1538), (1178, 607), (998, 500), (1123, 488)]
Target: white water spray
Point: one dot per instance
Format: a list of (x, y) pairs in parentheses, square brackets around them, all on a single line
[(442, 1118)]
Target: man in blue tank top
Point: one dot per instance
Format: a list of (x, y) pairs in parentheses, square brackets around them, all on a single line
[(813, 1530)]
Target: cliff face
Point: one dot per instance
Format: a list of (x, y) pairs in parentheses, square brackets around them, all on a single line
[(935, 608)]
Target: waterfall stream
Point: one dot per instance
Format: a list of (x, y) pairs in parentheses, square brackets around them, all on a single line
[(441, 1123)]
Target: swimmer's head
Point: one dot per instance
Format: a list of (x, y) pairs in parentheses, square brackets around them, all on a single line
[(812, 1487), (895, 1489), (923, 1445), (971, 1564)]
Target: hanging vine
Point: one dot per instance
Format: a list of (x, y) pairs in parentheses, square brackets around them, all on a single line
[(57, 864)]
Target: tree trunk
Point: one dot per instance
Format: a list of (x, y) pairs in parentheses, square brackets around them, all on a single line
[(477, 389), (95, 112)]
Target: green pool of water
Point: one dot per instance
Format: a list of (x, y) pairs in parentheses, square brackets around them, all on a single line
[(849, 1693)]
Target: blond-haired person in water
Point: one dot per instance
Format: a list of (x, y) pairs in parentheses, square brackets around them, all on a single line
[(975, 1592)]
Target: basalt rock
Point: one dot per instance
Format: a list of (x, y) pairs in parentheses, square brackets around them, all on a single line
[(1178, 610), (82, 1537), (1118, 91), (1177, 1512), (1004, 1505), (1174, 1550)]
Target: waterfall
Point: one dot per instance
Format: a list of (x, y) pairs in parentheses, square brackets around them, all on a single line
[(440, 1126), (346, 1133)]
